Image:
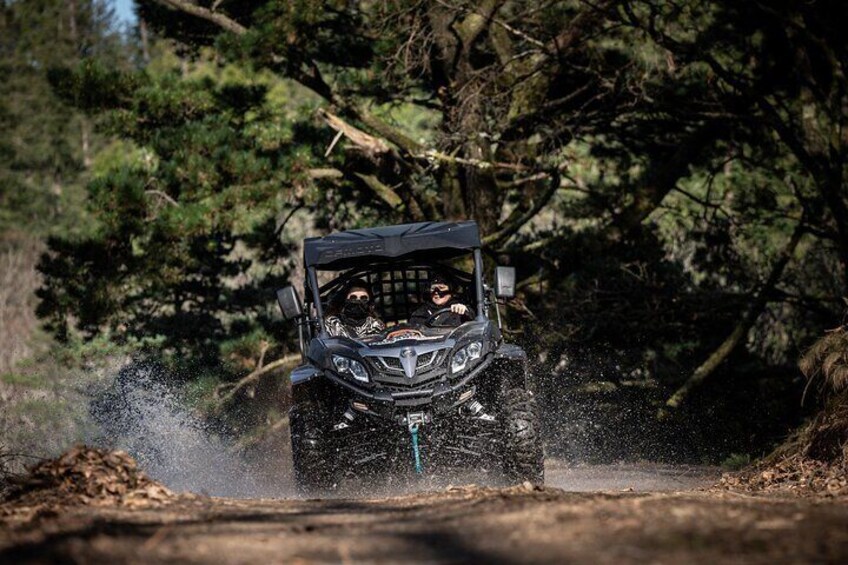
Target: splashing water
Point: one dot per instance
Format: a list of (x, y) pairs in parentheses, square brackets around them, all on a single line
[(144, 415)]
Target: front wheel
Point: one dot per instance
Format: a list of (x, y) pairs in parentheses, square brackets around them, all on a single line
[(522, 456), (313, 467)]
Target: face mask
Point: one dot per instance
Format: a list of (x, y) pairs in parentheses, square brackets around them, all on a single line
[(355, 311)]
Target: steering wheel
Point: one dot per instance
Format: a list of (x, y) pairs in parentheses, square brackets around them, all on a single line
[(435, 316)]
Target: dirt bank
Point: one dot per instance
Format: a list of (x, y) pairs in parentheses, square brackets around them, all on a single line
[(467, 524), (91, 506)]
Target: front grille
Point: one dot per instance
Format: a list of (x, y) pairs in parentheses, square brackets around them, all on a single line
[(388, 371), (391, 363), (425, 361)]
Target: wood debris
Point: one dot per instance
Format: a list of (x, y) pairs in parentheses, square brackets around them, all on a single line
[(83, 476)]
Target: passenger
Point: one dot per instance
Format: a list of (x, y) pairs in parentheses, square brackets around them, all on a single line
[(356, 317), (441, 296)]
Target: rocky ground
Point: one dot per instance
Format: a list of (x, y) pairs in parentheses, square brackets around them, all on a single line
[(71, 510)]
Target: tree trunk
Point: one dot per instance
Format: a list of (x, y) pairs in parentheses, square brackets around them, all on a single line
[(145, 40), (86, 143), (482, 198)]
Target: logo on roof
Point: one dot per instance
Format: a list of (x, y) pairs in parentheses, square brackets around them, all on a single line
[(352, 250)]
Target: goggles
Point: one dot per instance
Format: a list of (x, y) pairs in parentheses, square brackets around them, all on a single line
[(440, 291)]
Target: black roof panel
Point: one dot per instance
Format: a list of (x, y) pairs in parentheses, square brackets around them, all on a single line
[(433, 240)]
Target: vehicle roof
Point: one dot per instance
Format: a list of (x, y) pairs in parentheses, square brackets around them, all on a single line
[(433, 240)]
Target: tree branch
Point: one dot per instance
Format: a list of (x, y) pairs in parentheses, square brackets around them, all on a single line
[(434, 155), (368, 143), (316, 174), (386, 193), (254, 376), (217, 18), (406, 143), (476, 22), (277, 233), (164, 196), (511, 226)]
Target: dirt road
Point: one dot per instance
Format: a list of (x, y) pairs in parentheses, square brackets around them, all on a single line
[(454, 525)]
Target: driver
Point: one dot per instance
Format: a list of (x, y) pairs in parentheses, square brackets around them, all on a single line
[(441, 296), (356, 317)]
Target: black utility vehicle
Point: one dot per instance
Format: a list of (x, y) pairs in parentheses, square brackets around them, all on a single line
[(413, 396)]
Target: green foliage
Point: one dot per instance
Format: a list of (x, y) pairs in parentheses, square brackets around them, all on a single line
[(178, 230), (21, 379), (46, 400), (243, 352), (47, 144), (736, 461)]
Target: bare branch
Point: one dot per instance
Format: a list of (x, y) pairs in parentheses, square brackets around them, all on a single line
[(164, 196), (280, 229), (333, 144), (434, 155), (255, 376), (406, 143), (217, 18), (324, 174), (376, 146), (386, 193), (368, 143)]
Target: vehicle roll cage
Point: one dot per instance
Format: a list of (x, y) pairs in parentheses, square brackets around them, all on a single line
[(396, 285), (370, 253)]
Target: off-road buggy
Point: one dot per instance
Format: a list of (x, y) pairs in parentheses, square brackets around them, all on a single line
[(415, 397)]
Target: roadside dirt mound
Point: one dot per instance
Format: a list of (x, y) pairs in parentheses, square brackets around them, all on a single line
[(791, 475), (84, 475), (815, 459)]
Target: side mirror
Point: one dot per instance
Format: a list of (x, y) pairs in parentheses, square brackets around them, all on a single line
[(504, 282), (289, 302)]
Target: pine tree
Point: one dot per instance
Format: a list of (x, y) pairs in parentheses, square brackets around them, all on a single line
[(186, 244), (47, 145)]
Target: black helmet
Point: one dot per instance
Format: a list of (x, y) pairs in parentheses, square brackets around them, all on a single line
[(358, 283), (441, 279)]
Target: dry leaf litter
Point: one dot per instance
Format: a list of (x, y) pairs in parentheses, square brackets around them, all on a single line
[(83, 476), (815, 460)]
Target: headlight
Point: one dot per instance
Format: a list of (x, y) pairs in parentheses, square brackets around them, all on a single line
[(347, 366), (464, 355)]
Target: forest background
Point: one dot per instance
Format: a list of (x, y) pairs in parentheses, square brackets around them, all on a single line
[(669, 179)]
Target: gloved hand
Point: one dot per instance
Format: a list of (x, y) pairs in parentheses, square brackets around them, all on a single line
[(461, 309)]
